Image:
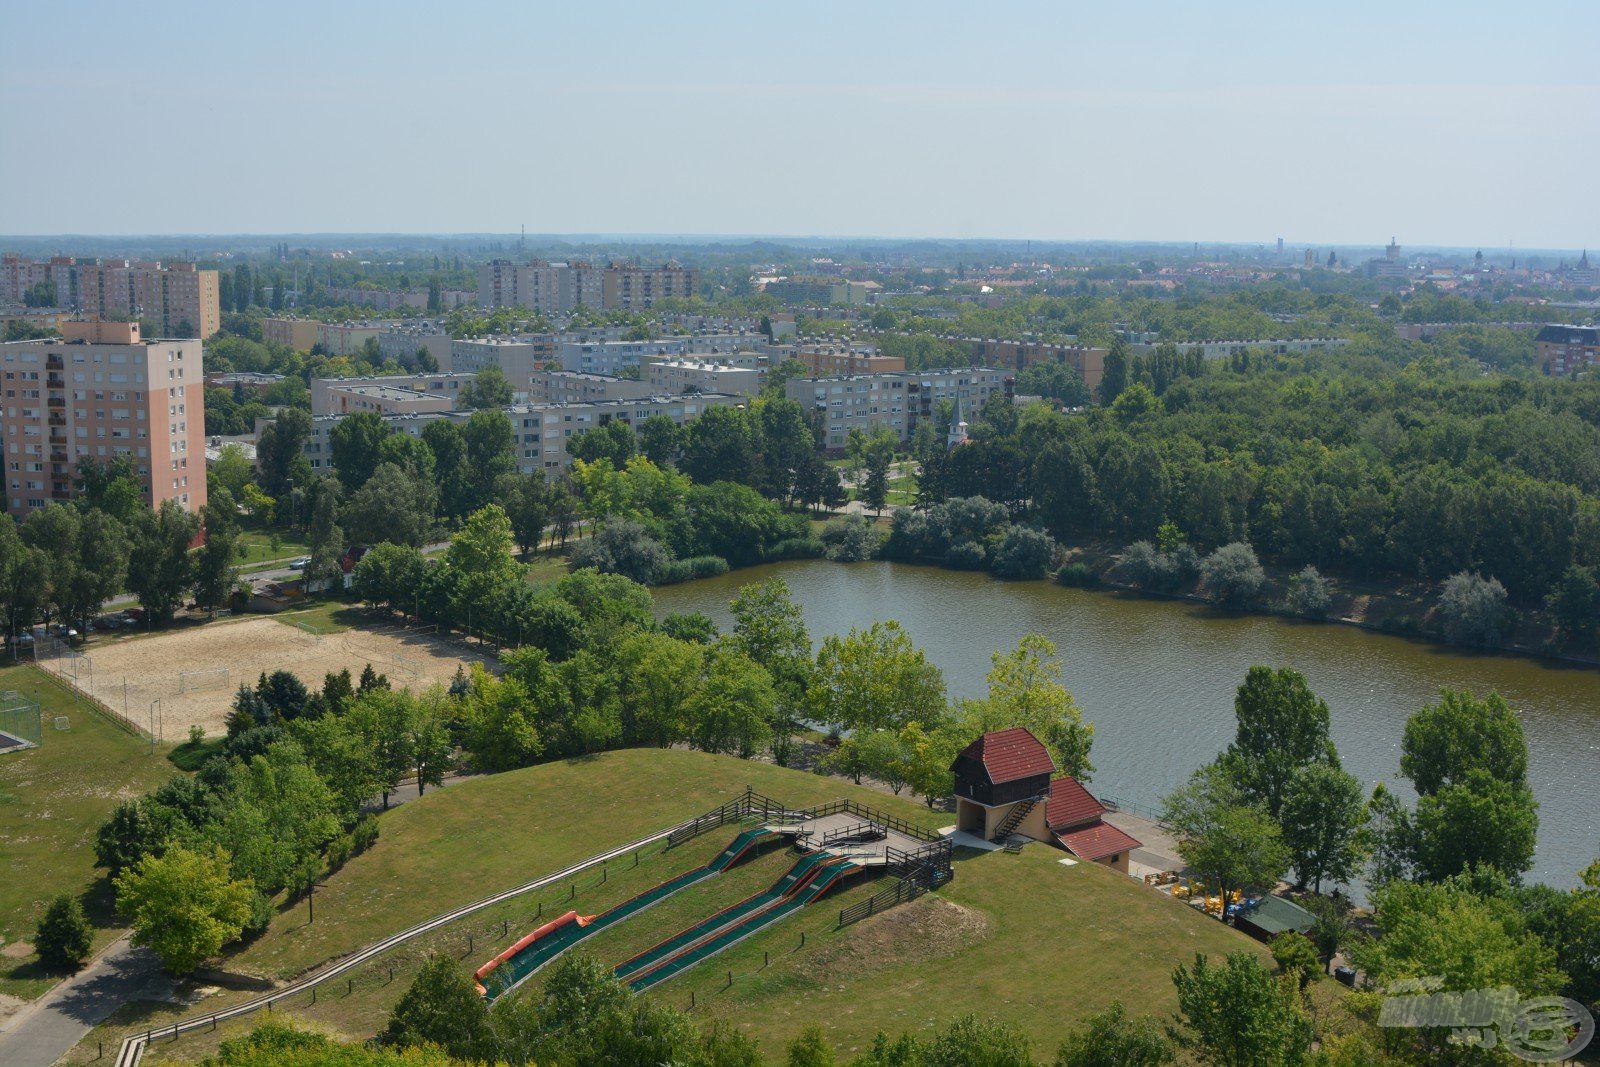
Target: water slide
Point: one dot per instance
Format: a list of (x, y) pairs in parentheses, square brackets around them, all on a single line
[(808, 880), (555, 937)]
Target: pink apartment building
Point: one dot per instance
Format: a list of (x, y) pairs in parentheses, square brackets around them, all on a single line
[(102, 392)]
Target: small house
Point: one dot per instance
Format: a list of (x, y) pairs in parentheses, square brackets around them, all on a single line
[(1006, 785), (1271, 916)]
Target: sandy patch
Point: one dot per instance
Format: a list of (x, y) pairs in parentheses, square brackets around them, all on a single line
[(928, 928), (169, 682)]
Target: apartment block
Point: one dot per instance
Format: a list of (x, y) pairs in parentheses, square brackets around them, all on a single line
[(397, 299), (820, 290), (570, 387), (334, 338), (1562, 351), (898, 401), (517, 358), (702, 376), (613, 357), (102, 392), (629, 288), (541, 431), (298, 334), (401, 344), (388, 393), (832, 361), (178, 299)]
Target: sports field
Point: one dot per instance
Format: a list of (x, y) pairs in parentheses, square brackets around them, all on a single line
[(169, 682)]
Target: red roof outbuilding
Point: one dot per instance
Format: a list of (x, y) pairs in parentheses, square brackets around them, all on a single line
[(1097, 841), (1007, 755), (1071, 804)]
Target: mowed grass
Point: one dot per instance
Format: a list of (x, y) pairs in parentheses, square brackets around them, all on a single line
[(1018, 938), (328, 617), (495, 832), (52, 800), (256, 546)]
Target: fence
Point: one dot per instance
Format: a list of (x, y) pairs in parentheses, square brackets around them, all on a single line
[(902, 890), (1144, 811), (20, 723), (882, 818)]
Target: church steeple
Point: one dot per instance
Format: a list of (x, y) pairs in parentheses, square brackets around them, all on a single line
[(958, 428)]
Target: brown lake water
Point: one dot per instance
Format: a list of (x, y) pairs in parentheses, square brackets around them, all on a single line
[(1157, 678)]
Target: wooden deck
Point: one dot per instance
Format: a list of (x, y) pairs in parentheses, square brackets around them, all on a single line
[(853, 837)]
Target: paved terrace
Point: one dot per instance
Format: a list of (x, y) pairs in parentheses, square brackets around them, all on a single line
[(862, 839)]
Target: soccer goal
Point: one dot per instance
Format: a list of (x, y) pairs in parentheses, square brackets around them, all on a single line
[(192, 681)]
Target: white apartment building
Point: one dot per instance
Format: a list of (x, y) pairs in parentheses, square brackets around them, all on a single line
[(703, 376), (570, 387), (333, 396), (897, 400)]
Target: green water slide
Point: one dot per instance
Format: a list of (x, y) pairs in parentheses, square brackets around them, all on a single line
[(549, 947), (733, 927)]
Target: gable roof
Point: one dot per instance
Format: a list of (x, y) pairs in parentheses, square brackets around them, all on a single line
[(1007, 755), (1097, 841), (1274, 915), (1070, 804)]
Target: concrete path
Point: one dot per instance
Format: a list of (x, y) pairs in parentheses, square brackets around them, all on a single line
[(47, 1029)]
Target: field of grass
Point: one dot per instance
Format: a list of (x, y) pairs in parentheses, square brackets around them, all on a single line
[(327, 617), (256, 546), (52, 799), (1015, 937)]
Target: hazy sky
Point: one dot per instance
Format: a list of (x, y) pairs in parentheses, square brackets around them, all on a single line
[(1460, 123)]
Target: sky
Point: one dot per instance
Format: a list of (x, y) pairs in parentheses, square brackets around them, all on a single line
[(1459, 124)]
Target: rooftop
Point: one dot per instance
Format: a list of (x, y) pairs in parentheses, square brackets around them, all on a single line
[(1071, 804), (1007, 755)]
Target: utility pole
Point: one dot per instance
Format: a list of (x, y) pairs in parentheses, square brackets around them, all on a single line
[(311, 901)]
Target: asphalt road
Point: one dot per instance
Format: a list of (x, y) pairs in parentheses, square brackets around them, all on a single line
[(47, 1029)]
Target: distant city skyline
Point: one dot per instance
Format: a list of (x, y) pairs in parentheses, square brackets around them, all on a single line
[(1163, 122)]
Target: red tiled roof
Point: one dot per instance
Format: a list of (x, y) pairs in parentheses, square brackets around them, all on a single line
[(1007, 755), (1070, 804), (1097, 841)]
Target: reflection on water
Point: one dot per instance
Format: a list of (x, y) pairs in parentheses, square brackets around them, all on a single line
[(1157, 678)]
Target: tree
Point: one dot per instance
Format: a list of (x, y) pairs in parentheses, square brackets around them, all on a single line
[(1239, 1014), (395, 505), (659, 439), (1480, 821), (733, 707), (184, 905), (770, 628), (442, 1009), (214, 573), (1234, 574), (1111, 1039), (160, 568), (1282, 726), (720, 446), (233, 469), (490, 453), (1114, 373), (1023, 553), (1444, 742), (1296, 957), (326, 540), (615, 441), (355, 442), (526, 499), (1575, 604), (1222, 836), (391, 575), (490, 388), (624, 547), (875, 678), (1309, 593), (280, 452), (1322, 819), (480, 554), (24, 579), (64, 937), (811, 1048), (1473, 609), (971, 1041), (1025, 690), (1064, 489), (875, 488)]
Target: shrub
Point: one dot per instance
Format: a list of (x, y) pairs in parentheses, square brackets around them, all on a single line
[(1078, 576), (260, 916), (1309, 594), (1233, 574), (966, 556), (683, 570), (851, 539), (365, 833), (1139, 563), (1294, 952), (64, 935), (797, 548), (1023, 553), (1473, 609), (623, 547)]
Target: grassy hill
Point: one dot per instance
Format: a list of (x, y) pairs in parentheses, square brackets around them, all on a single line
[(52, 800), (1017, 937)]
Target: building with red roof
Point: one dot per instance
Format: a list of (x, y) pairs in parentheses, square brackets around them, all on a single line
[(1006, 786)]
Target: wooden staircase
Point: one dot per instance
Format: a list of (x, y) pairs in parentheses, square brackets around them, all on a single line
[(1013, 820)]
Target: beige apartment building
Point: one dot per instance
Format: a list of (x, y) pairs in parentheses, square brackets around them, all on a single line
[(702, 376), (555, 288), (572, 387), (335, 338), (102, 392), (298, 334), (639, 288), (388, 393), (179, 299)]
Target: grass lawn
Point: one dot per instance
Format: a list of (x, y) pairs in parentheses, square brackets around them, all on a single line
[(255, 546), (52, 799), (327, 616), (1014, 937), (546, 567)]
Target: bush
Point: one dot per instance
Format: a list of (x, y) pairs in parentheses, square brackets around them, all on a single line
[(260, 917), (1294, 952), (797, 548), (966, 556), (64, 936), (1078, 576), (1473, 609), (684, 570), (623, 547), (1309, 594), (851, 539), (365, 833), (1023, 553), (1139, 564), (1233, 574)]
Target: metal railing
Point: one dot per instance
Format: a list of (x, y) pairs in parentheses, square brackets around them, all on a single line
[(864, 828), (882, 818)]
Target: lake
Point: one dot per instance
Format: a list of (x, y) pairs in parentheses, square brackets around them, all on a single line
[(1157, 678)]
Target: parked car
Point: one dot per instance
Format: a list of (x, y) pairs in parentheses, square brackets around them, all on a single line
[(300, 564)]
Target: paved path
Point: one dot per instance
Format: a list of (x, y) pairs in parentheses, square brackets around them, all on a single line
[(47, 1029)]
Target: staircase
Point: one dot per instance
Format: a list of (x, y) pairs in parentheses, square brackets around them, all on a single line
[(1013, 820)]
